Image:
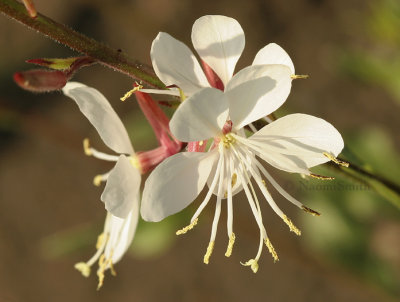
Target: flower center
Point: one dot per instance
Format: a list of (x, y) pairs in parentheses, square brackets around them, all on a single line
[(228, 140)]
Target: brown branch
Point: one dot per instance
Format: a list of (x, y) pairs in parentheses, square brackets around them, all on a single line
[(105, 55)]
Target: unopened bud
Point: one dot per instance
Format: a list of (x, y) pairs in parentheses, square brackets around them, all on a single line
[(30, 8), (39, 80)]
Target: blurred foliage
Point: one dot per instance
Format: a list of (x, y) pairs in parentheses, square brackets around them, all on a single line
[(352, 212), (9, 126), (69, 241), (380, 63)]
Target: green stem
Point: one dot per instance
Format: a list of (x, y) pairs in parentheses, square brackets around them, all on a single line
[(105, 55), (357, 169)]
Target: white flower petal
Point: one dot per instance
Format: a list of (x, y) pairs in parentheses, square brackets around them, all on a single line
[(219, 41), (122, 187), (273, 54), (99, 112), (284, 162), (201, 116), (301, 138), (175, 64), (257, 91), (122, 232), (175, 183)]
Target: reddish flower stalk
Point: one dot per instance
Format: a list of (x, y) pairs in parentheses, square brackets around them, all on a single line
[(169, 145)]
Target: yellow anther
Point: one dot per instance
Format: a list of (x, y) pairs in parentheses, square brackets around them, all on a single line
[(201, 143), (134, 161), (271, 249), (335, 160), (228, 140), (233, 183), (209, 251), (84, 268), (253, 263), (100, 240), (86, 147), (229, 249), (130, 92), (100, 271), (233, 179), (187, 228), (317, 176), (182, 95), (310, 211), (299, 76), (291, 226), (97, 180), (104, 264)]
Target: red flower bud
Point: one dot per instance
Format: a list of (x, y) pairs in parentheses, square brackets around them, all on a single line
[(39, 80)]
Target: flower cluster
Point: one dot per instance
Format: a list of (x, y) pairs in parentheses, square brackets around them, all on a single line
[(224, 149)]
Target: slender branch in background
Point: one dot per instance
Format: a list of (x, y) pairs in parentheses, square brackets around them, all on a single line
[(389, 184), (105, 55)]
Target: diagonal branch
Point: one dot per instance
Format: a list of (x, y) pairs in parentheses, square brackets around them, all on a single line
[(105, 55)]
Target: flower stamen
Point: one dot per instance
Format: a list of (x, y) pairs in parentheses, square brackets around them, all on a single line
[(271, 249), (83, 268), (231, 242), (228, 140), (86, 147), (105, 263), (209, 251), (253, 263), (98, 179), (299, 76), (89, 151), (187, 228), (291, 226), (335, 160), (130, 92), (310, 211), (321, 177)]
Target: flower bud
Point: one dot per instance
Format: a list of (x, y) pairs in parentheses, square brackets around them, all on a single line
[(39, 80)]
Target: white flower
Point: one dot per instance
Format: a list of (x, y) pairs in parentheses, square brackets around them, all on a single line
[(293, 143), (219, 41), (121, 193)]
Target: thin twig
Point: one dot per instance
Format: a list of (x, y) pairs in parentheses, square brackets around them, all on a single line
[(105, 55)]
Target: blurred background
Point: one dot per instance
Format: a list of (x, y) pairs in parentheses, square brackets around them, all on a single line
[(51, 214)]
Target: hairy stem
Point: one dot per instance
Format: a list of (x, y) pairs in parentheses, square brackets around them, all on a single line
[(105, 55)]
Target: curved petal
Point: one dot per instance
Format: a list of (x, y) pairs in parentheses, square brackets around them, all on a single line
[(175, 183), (219, 41), (284, 162), (122, 188), (175, 64), (201, 116), (101, 115), (299, 139), (257, 91), (273, 54), (121, 233)]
